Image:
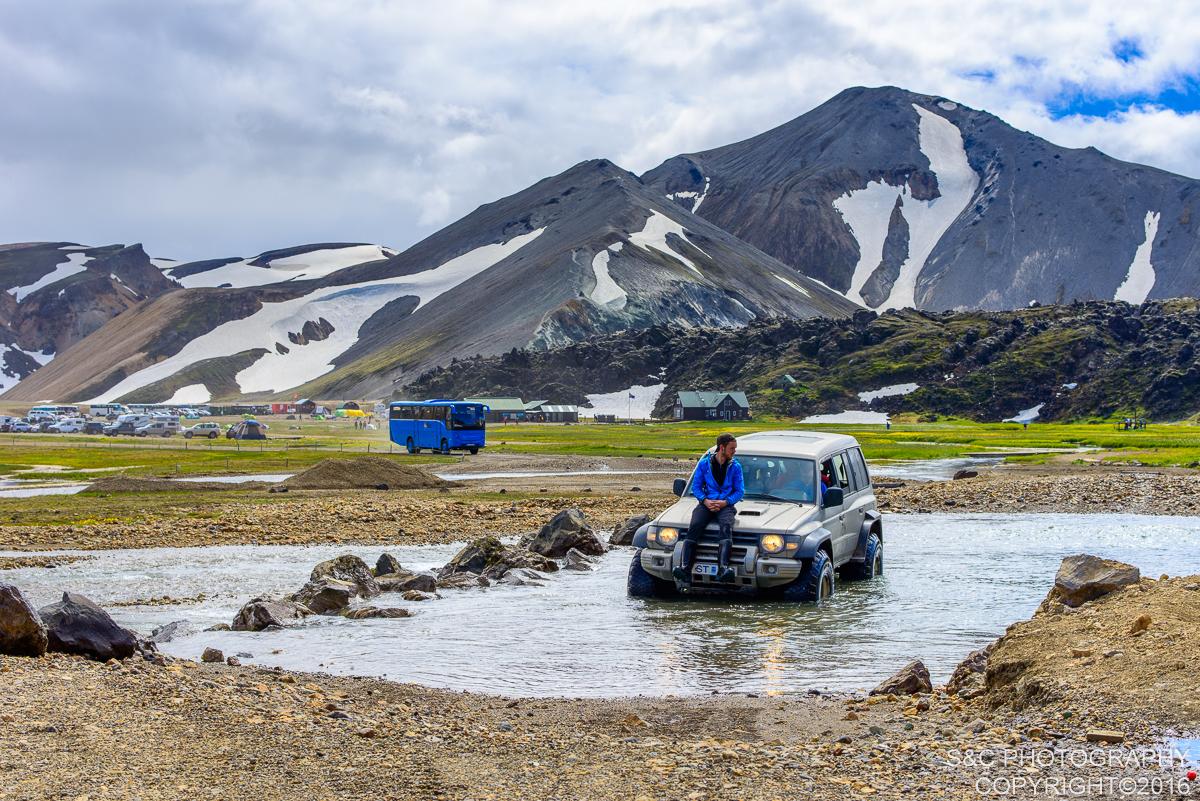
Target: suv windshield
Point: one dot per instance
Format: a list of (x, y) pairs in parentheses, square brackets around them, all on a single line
[(468, 417), (776, 477)]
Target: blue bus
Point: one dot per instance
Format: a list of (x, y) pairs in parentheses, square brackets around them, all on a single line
[(440, 425)]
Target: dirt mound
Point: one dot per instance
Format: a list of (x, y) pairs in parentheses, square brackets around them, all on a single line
[(123, 483), (365, 472)]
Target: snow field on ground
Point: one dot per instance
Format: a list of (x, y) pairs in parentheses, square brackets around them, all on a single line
[(192, 393), (847, 418), (641, 405), (75, 263), (1140, 278), (606, 292), (867, 211), (1026, 415), (654, 236), (345, 307), (887, 392), (305, 266)]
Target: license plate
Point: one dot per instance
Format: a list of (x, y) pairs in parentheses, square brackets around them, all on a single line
[(705, 570)]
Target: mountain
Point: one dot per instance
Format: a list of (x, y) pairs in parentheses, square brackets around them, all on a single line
[(1078, 361), (589, 251), (899, 199), (59, 293)]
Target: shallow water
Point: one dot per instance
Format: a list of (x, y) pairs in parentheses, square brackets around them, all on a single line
[(952, 583), (930, 469)]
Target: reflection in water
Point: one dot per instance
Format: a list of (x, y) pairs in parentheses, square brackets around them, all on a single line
[(952, 584)]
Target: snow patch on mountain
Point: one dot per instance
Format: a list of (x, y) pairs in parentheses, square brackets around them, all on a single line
[(867, 211), (192, 393), (888, 392), (794, 285), (699, 196), (75, 263), (654, 237), (1140, 278), (847, 418), (1025, 415), (607, 292), (305, 266), (346, 308), (641, 405)]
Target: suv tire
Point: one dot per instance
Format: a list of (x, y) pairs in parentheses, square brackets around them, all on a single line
[(815, 584), (643, 585), (872, 563)]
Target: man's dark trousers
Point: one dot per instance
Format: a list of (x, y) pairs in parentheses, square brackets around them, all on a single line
[(701, 517)]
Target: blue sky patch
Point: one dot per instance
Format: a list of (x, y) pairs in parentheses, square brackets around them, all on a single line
[(1182, 96), (1127, 50)]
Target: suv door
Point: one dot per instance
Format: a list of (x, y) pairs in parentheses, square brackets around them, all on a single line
[(856, 507), (833, 518), (843, 546)]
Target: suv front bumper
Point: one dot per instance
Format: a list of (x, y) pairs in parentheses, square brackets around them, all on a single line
[(752, 569)]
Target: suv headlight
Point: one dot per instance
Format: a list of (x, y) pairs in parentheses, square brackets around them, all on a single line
[(772, 543), (664, 536)]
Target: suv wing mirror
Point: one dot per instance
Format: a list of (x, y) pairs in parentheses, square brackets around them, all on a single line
[(834, 496), (680, 484)]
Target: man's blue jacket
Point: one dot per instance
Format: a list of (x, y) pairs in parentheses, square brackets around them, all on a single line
[(705, 487)]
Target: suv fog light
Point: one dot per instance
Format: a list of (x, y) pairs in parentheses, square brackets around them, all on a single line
[(770, 570), (772, 543), (658, 561)]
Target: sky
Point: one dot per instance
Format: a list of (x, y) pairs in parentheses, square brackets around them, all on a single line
[(214, 128)]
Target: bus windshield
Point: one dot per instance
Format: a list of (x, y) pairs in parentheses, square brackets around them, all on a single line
[(468, 417)]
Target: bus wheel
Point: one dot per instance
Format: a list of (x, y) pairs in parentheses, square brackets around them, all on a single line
[(474, 451), (445, 447), (412, 448)]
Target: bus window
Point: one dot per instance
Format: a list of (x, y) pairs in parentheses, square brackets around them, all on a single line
[(468, 417)]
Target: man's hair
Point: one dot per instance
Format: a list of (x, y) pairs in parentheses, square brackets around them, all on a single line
[(725, 439)]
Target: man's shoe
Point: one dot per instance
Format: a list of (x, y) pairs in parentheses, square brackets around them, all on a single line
[(725, 573)]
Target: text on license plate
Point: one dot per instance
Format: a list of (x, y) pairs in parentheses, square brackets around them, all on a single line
[(706, 570)]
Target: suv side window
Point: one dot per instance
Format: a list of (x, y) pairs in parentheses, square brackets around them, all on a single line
[(841, 475), (859, 468)]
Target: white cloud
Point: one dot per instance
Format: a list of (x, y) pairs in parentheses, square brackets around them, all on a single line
[(224, 128)]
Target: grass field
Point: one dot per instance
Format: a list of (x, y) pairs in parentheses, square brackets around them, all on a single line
[(44, 456)]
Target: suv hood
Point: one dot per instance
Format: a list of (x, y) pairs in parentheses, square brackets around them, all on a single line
[(759, 516)]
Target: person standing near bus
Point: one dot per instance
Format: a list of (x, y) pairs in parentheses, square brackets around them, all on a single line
[(717, 486)]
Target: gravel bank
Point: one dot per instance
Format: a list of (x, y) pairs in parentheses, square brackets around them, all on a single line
[(1049, 489)]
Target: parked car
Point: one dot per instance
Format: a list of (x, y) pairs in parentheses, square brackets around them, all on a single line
[(94, 427), (23, 427), (126, 428), (159, 428), (71, 425), (210, 430), (809, 509), (44, 426)]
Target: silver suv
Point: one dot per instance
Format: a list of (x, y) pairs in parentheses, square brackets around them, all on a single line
[(808, 510)]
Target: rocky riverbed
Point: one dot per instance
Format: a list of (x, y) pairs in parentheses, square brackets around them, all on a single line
[(134, 729)]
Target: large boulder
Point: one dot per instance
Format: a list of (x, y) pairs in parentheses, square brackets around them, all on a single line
[(574, 560), (369, 612), (566, 530), (912, 678), (326, 596), (1084, 578), (259, 613), (171, 631), (21, 630), (970, 673), (350, 569), (75, 625), (490, 558), (402, 582), (387, 566), (623, 533)]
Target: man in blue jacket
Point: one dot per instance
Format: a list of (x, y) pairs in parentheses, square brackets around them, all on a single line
[(717, 486)]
